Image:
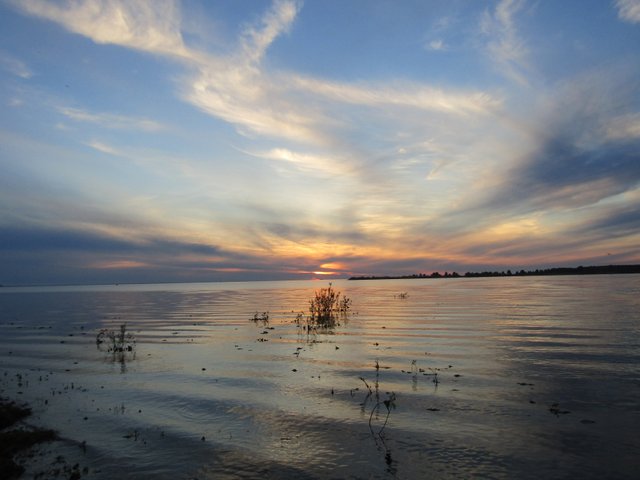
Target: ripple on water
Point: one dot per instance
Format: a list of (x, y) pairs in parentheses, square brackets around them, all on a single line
[(209, 394)]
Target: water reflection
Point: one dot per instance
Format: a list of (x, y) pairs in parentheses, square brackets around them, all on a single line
[(501, 378), (117, 344)]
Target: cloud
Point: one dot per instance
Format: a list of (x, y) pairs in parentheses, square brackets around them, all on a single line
[(152, 27), (505, 47), (308, 162), (14, 66), (562, 175), (442, 33), (313, 111), (33, 254), (315, 124), (308, 233), (629, 10), (34, 239), (104, 148), (108, 120), (244, 97), (283, 105), (585, 146), (623, 127), (40, 238), (256, 40), (398, 173), (118, 264), (237, 87), (436, 45), (405, 95), (614, 220)]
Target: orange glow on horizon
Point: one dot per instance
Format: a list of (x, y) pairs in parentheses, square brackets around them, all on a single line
[(119, 264), (230, 269), (333, 266)]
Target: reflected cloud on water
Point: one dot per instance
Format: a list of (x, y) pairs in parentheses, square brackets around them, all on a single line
[(535, 378)]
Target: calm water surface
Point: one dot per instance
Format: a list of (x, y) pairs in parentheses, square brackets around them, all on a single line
[(537, 377)]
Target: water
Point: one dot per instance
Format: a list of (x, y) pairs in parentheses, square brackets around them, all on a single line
[(537, 377)]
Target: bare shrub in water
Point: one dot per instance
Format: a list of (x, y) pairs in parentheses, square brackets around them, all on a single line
[(115, 341), (325, 308), (262, 318)]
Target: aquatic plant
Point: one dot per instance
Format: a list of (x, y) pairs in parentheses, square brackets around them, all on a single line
[(325, 309), (326, 306), (374, 395), (120, 344), (262, 318), (389, 404), (368, 387), (434, 374), (556, 410), (115, 341)]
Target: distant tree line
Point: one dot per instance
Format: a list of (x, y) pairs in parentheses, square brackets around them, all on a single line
[(591, 270)]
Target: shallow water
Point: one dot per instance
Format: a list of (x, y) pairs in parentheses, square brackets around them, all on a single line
[(538, 377)]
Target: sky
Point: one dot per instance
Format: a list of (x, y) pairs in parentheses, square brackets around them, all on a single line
[(234, 140)]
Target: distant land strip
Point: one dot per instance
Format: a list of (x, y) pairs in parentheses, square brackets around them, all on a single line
[(593, 270)]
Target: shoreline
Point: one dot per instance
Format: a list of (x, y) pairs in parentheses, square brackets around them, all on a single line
[(555, 271)]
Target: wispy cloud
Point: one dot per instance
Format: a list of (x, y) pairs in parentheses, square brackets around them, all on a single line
[(247, 99), (623, 127), (236, 87), (109, 120), (580, 153), (629, 10), (156, 163), (311, 121), (118, 264), (15, 66), (104, 148), (92, 255), (436, 45), (505, 47), (440, 35), (308, 161), (405, 95), (256, 39), (620, 220), (390, 170), (152, 27)]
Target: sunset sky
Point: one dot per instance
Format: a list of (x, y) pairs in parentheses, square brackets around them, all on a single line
[(245, 140)]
